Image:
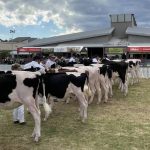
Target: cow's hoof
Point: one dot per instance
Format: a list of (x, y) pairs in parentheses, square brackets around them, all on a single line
[(83, 120), (98, 103), (36, 139), (45, 119)]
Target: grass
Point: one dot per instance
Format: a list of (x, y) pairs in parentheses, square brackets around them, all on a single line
[(121, 124)]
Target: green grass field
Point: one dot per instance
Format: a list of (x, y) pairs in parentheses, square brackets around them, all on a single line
[(121, 124)]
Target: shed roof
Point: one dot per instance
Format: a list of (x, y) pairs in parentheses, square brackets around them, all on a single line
[(21, 39), (138, 31), (71, 37)]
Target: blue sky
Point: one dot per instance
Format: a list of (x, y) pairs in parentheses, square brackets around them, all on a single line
[(46, 18)]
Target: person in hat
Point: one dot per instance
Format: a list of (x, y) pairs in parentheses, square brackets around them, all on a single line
[(50, 63)]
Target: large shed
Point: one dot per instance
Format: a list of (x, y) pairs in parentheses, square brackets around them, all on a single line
[(122, 36)]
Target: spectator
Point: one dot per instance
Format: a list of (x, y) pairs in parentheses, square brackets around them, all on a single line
[(95, 59), (106, 57), (124, 56), (71, 61), (50, 63), (35, 63)]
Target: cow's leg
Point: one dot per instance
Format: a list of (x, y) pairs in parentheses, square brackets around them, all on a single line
[(36, 115), (99, 93), (82, 102), (132, 77), (110, 88), (105, 87), (93, 90), (138, 73), (50, 102), (30, 103), (122, 87), (120, 84), (125, 88), (38, 102), (92, 96), (92, 87), (87, 92), (67, 98)]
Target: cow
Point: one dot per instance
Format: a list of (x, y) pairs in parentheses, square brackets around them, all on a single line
[(134, 70), (105, 77), (47, 107), (58, 85), (21, 87), (121, 68), (93, 78)]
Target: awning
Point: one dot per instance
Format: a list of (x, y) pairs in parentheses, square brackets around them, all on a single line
[(28, 49)]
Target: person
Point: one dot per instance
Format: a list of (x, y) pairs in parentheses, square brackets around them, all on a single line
[(71, 60), (124, 56), (35, 64), (106, 57), (116, 56), (18, 113), (50, 63), (62, 62), (95, 60)]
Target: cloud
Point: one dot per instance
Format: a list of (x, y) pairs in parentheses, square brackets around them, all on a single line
[(70, 15)]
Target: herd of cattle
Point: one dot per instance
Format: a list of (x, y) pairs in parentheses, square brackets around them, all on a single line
[(84, 82)]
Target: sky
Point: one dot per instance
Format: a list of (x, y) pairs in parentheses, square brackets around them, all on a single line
[(47, 18)]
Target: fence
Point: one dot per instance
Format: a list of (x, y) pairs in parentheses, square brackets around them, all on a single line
[(145, 72)]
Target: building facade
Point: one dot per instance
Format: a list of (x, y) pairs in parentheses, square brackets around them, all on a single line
[(123, 36)]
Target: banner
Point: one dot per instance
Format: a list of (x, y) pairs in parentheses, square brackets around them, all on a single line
[(139, 49), (115, 50), (28, 49), (49, 50)]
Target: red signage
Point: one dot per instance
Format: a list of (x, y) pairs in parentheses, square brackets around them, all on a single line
[(139, 49), (28, 49)]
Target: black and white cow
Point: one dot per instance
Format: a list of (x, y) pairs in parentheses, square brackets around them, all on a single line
[(58, 85), (21, 87), (134, 70), (121, 68), (105, 77), (93, 81)]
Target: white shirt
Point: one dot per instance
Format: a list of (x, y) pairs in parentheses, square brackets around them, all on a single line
[(34, 64), (72, 59), (49, 63), (94, 60)]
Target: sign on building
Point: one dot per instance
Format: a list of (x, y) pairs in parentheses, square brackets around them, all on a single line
[(139, 49), (115, 50)]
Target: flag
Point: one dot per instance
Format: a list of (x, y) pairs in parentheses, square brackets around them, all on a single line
[(12, 31)]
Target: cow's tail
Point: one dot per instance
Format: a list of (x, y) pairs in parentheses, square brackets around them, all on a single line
[(47, 107), (87, 90)]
